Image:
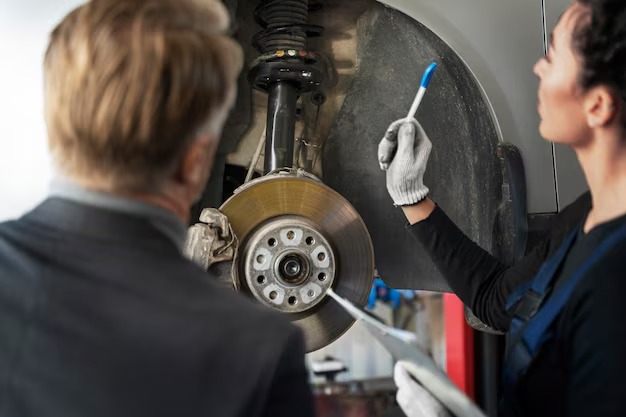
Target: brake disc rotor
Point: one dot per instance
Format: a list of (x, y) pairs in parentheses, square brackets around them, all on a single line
[(298, 237)]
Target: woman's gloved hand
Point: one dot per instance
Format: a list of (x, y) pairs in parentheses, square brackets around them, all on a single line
[(403, 153), (414, 400)]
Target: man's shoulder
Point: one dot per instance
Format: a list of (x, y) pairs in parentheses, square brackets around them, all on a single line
[(173, 282), (239, 307), (246, 323), (15, 238), (9, 227)]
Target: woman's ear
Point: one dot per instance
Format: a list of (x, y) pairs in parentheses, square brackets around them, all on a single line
[(601, 107)]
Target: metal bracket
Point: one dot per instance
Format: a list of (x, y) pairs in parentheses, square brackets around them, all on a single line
[(211, 241)]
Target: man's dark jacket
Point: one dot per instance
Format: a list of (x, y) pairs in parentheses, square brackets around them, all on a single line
[(101, 316)]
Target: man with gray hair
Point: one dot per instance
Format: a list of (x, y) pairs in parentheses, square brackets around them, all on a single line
[(100, 314)]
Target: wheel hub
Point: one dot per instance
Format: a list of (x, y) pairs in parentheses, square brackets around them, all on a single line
[(289, 265), (297, 238)]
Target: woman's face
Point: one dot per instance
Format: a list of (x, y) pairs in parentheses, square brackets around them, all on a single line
[(560, 97)]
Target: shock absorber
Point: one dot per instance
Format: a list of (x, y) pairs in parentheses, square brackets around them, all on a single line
[(285, 69)]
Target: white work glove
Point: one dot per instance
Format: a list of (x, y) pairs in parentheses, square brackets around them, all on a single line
[(403, 153), (414, 400)]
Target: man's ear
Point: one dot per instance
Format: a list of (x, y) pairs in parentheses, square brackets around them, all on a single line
[(601, 106), (197, 160)]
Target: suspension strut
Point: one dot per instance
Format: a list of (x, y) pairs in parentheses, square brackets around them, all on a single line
[(284, 70)]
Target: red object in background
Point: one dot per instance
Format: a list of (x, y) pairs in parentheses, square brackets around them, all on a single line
[(459, 345)]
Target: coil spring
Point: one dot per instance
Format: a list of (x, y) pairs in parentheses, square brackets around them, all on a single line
[(285, 24)]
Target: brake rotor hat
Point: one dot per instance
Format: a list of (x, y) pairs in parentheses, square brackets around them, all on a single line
[(298, 237)]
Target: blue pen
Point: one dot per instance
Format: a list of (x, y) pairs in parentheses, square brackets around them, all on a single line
[(428, 74)]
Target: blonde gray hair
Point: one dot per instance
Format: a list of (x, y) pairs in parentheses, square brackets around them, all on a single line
[(128, 84)]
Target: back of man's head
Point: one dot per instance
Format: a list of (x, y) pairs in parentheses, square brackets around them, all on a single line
[(131, 83)]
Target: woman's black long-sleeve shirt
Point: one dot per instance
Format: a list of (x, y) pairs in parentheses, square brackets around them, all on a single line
[(582, 370)]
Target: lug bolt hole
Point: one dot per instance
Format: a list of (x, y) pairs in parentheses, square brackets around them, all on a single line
[(272, 242), (273, 295), (321, 256), (321, 276), (260, 279), (290, 235), (293, 300), (310, 241)]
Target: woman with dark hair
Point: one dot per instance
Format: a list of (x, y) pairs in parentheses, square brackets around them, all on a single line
[(563, 305)]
